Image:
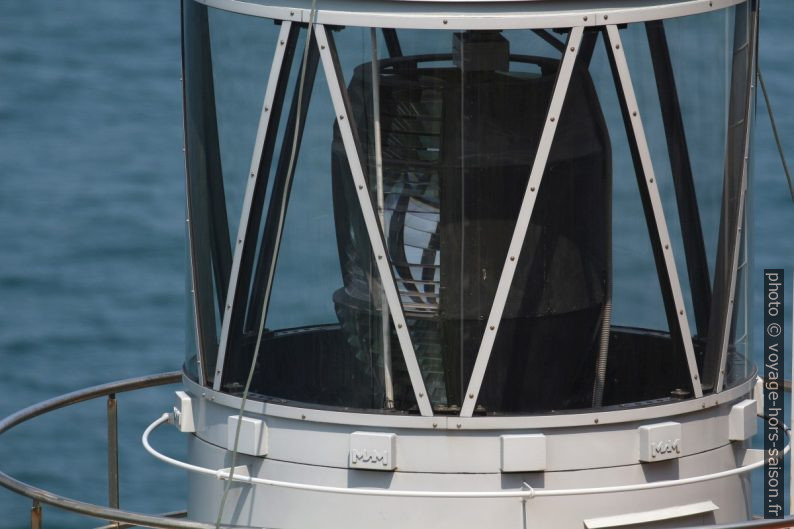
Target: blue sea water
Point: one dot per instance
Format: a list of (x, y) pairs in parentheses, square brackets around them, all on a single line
[(92, 257)]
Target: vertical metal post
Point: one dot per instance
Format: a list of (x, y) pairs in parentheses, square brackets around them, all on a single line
[(385, 316), (35, 515), (113, 452)]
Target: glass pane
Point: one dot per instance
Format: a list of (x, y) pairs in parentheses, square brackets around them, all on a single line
[(323, 339), (191, 345), (242, 50), (227, 58), (207, 226), (738, 77), (446, 128), (460, 118), (737, 365), (543, 355)]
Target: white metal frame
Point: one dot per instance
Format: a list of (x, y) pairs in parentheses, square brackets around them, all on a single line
[(343, 119), (616, 49), (522, 222), (261, 134), (462, 14)]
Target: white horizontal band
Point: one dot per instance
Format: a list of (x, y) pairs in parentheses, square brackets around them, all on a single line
[(521, 493), (463, 14)]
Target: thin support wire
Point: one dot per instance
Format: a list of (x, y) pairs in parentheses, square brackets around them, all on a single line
[(775, 133)]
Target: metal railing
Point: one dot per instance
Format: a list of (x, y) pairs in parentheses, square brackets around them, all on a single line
[(119, 518)]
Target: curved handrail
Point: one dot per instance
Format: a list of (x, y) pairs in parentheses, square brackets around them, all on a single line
[(90, 509), (161, 522), (525, 493)]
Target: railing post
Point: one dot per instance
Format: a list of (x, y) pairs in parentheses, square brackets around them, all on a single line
[(113, 452), (35, 515)]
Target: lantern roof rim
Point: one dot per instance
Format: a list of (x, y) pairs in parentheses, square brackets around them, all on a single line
[(471, 14)]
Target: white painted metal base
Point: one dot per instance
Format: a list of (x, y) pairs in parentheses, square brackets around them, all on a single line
[(489, 460), (261, 506)]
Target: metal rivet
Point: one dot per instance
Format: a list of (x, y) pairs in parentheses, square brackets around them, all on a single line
[(666, 246), (421, 395), (695, 377), (531, 188), (380, 257), (634, 113), (606, 17), (512, 257), (651, 180), (584, 18), (435, 425), (703, 405), (400, 326), (471, 395), (681, 312), (239, 241), (492, 327), (228, 307), (322, 46), (282, 42), (303, 417), (617, 46), (445, 21), (595, 420), (252, 175), (458, 425), (573, 49), (361, 187), (551, 119), (341, 117), (292, 13)]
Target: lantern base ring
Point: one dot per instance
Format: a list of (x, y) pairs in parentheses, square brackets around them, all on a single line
[(523, 494)]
